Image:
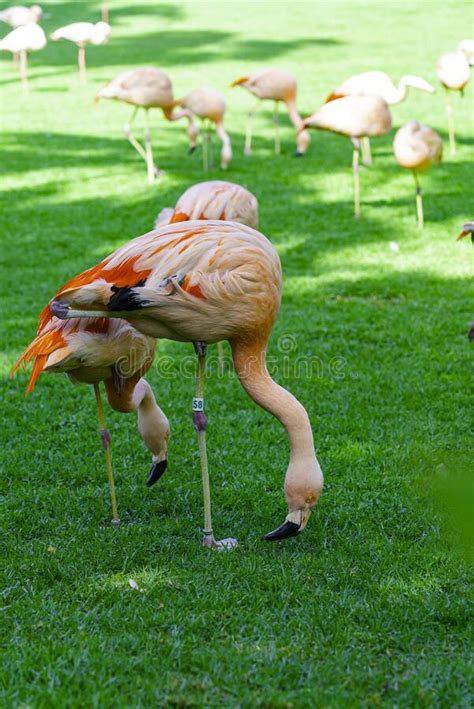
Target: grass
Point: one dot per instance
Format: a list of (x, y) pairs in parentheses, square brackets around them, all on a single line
[(370, 606)]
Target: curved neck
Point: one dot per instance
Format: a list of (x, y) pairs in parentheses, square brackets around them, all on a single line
[(250, 365), (152, 423), (295, 117), (401, 90)]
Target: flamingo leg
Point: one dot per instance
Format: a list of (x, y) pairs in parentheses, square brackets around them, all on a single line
[(200, 424), (105, 437), (104, 11), (150, 165), (81, 59), (248, 132), (24, 71), (366, 152), (450, 113), (221, 357), (206, 146), (276, 126), (419, 202), (127, 129), (355, 171)]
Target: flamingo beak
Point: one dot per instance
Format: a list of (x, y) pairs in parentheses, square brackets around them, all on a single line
[(294, 523), (157, 470)]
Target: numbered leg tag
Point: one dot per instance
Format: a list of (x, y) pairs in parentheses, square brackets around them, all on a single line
[(198, 404)]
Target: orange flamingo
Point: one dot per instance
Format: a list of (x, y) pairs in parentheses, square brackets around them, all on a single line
[(81, 34), (453, 72), (356, 117), (201, 282), (417, 148), (146, 88), (95, 350), (276, 85), (209, 106), (215, 199)]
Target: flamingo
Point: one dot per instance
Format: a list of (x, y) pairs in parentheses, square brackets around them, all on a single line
[(417, 148), (24, 39), (378, 83), (214, 199), (467, 230), (356, 117), (19, 15), (82, 33), (110, 351), (146, 88), (467, 47), (201, 282), (209, 106), (276, 85), (453, 72)]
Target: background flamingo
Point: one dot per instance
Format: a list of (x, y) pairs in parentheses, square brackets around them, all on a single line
[(356, 117), (97, 350), (215, 199), (466, 46), (378, 83), (24, 39), (209, 105), (146, 88), (202, 282), (275, 85), (82, 33), (417, 148), (18, 15), (453, 72)]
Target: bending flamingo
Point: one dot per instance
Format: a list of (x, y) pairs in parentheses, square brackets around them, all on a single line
[(146, 88), (202, 282), (453, 72), (215, 199), (83, 33), (209, 106), (95, 350), (356, 117), (24, 39), (275, 85), (378, 83), (417, 148)]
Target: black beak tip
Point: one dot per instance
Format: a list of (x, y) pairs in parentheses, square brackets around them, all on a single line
[(298, 154), (157, 470), (192, 149), (286, 530)]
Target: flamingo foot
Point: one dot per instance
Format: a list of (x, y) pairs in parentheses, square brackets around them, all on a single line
[(227, 544), (247, 151)]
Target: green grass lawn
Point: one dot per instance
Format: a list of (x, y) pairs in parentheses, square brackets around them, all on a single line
[(370, 606)]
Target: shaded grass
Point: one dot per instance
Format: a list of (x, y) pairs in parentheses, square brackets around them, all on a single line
[(370, 606)]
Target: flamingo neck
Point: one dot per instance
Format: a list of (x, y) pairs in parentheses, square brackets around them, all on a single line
[(293, 114), (250, 365), (400, 92), (152, 422)]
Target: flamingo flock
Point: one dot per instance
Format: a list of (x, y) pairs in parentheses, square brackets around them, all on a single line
[(204, 274)]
